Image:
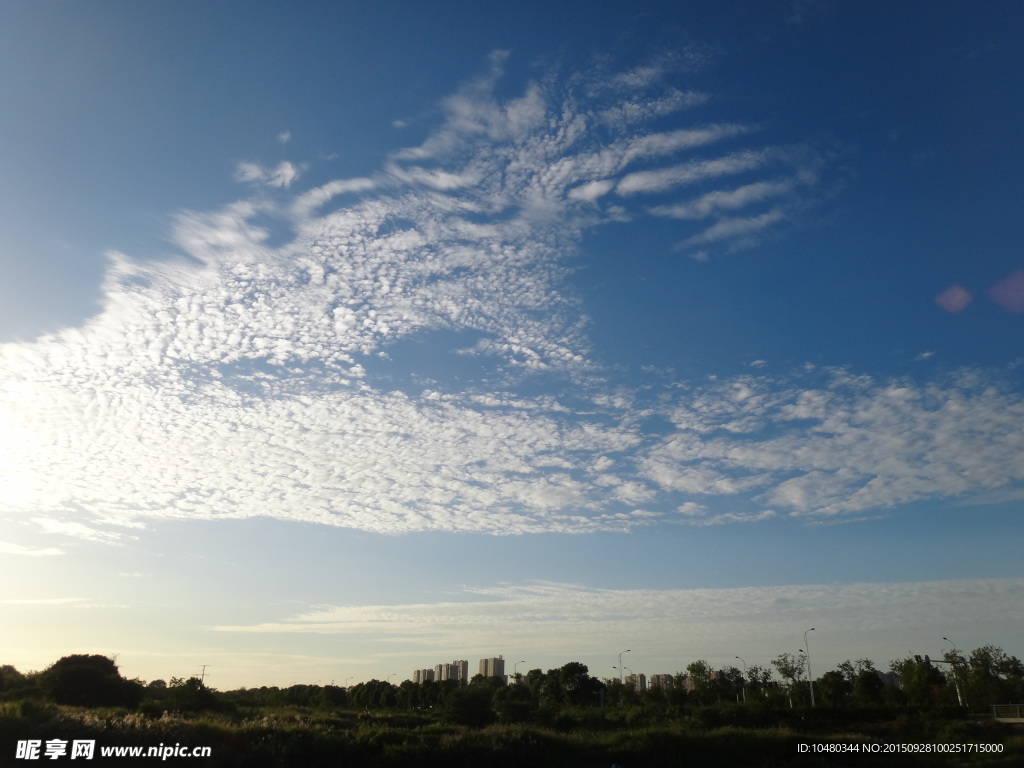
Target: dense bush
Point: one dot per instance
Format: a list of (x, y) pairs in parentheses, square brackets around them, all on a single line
[(192, 696), (89, 681)]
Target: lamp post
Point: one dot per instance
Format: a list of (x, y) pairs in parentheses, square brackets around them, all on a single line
[(620, 664), (803, 663), (347, 679), (810, 677), (515, 669), (388, 681), (956, 675), (744, 680)]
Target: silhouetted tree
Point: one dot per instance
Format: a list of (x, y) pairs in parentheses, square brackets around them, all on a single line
[(513, 704), (758, 679), (992, 677), (920, 682), (190, 696), (89, 681), (700, 681), (471, 705), (834, 689), (577, 686), (15, 685)]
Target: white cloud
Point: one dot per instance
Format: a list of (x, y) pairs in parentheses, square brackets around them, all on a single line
[(283, 175), (692, 509), (592, 190), (734, 517), (853, 444)]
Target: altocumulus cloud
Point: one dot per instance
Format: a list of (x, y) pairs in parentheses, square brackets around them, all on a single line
[(240, 381)]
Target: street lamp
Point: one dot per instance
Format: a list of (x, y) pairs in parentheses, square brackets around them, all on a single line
[(810, 677), (744, 680), (620, 664), (956, 675), (515, 669), (388, 681), (347, 679)]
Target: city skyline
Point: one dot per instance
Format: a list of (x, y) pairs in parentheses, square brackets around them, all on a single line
[(335, 338)]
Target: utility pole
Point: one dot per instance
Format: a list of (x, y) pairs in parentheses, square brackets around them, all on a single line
[(202, 676)]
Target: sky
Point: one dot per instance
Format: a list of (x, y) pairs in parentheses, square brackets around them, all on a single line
[(339, 341)]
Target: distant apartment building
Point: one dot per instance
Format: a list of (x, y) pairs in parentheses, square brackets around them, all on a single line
[(457, 670), (889, 679), (422, 676), (637, 682), (494, 667), (661, 681)]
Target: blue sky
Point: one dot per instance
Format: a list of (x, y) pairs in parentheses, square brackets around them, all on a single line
[(340, 341)]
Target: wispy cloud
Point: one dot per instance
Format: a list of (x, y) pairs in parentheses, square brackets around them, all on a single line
[(729, 200), (576, 621), (47, 601), (78, 530), (737, 227), (7, 548), (281, 176), (307, 203), (691, 172), (631, 112)]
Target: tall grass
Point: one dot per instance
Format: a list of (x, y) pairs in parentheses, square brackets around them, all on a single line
[(283, 737)]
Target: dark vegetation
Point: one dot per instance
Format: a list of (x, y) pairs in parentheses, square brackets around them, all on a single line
[(563, 717)]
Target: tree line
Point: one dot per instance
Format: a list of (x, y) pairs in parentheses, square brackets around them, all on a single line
[(985, 676)]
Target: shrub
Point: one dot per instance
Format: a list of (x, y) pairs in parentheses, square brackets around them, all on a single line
[(89, 681)]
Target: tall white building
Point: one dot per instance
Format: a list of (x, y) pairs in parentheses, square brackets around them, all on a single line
[(637, 682), (661, 681), (494, 667), (422, 676), (457, 670)]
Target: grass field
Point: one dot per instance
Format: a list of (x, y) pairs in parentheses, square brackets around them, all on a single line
[(297, 736)]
